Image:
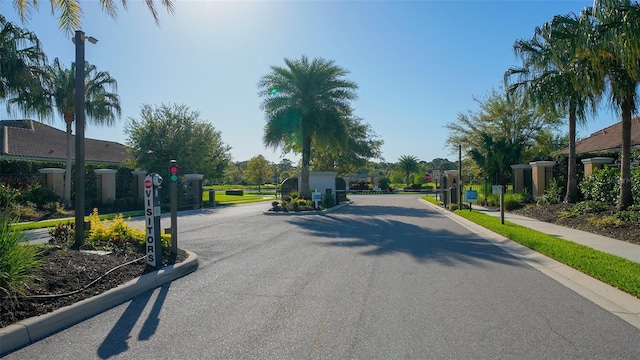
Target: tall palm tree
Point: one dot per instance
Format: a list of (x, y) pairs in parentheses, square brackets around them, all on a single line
[(408, 164), (71, 12), (612, 47), (554, 77), (21, 58), (102, 106), (303, 101)]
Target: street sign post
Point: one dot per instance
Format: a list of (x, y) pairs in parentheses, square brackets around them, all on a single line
[(153, 242), (173, 197), (471, 196)]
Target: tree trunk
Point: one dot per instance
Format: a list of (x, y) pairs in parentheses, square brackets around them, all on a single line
[(304, 172), (67, 173), (572, 195), (626, 197)]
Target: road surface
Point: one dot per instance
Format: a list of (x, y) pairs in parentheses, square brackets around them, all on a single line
[(387, 277)]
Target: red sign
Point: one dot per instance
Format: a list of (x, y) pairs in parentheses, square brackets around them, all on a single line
[(147, 183), (427, 177)]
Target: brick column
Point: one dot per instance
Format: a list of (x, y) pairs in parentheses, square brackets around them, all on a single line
[(539, 176), (138, 183), (107, 191), (595, 163), (518, 176), (54, 179)]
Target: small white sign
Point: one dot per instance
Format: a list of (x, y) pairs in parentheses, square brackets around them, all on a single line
[(496, 189)]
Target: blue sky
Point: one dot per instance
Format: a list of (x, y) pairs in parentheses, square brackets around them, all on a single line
[(417, 63)]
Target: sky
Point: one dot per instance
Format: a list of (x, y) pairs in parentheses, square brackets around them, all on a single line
[(417, 64)]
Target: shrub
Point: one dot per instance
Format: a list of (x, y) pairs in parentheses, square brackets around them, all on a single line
[(635, 185), (632, 214), (116, 235), (588, 207), (603, 185), (18, 261), (39, 195), (24, 212), (55, 208), (511, 204), (62, 234), (492, 200), (329, 201), (8, 196), (525, 196), (120, 203), (553, 193), (294, 195), (384, 183), (605, 222)]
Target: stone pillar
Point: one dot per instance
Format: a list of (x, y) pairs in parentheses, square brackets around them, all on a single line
[(454, 185), (194, 189), (54, 179), (518, 176), (595, 163), (539, 176), (107, 191), (138, 183)]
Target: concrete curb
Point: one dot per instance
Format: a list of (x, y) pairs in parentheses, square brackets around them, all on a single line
[(36, 328), (299, 213), (609, 298)]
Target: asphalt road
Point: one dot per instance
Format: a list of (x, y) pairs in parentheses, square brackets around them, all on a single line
[(384, 278)]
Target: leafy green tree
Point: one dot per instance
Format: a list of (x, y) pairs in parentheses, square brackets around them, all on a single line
[(56, 95), (71, 12), (504, 131), (555, 77), (233, 173), (21, 57), (362, 145), (258, 170), (306, 102), (442, 164), (408, 164), (285, 165), (174, 132)]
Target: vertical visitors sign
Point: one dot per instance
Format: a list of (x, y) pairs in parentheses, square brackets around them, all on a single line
[(152, 219)]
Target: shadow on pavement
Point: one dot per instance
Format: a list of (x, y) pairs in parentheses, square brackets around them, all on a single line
[(116, 342), (424, 234)]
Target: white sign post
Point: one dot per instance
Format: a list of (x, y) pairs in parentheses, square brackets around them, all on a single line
[(316, 197), (153, 242)]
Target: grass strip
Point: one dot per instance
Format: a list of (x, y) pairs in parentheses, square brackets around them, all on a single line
[(611, 269), (52, 223)]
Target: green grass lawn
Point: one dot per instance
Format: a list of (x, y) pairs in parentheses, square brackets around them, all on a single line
[(221, 199)]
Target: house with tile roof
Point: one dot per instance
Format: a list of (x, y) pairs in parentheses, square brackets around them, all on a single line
[(607, 140), (35, 141)]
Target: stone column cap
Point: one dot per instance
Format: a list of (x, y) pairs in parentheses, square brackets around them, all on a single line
[(52, 171), (105, 171), (598, 160)]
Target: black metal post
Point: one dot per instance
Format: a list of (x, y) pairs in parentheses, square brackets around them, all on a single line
[(79, 153)]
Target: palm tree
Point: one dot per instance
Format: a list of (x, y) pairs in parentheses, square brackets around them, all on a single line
[(303, 101), (58, 91), (612, 46), (408, 164), (554, 77), (21, 58), (71, 12)]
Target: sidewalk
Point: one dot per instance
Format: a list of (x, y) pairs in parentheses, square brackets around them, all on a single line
[(602, 243)]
